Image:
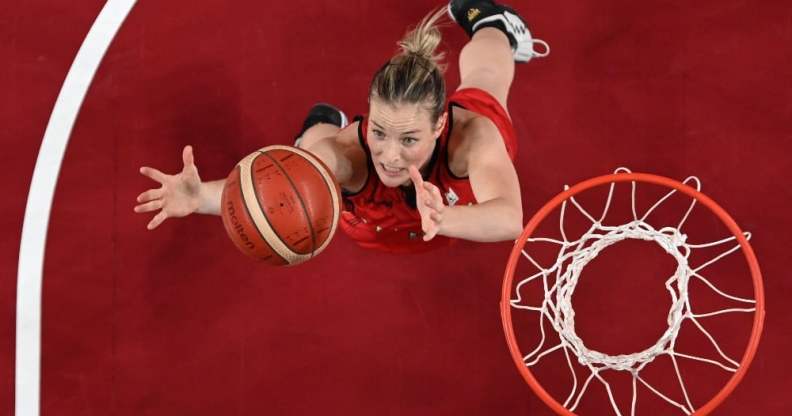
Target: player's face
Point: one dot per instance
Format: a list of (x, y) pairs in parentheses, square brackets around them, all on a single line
[(400, 135)]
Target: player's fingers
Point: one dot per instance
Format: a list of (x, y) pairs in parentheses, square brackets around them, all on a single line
[(433, 206), (436, 216), (416, 177), (149, 206), (437, 195), (153, 174), (150, 195), (434, 195), (187, 156), (157, 220), (430, 234)]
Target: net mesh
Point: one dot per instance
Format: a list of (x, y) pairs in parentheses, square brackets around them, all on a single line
[(560, 279)]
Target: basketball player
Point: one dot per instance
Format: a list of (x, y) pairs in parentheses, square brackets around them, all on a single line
[(419, 170)]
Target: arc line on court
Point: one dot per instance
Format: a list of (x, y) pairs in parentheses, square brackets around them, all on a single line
[(39, 202)]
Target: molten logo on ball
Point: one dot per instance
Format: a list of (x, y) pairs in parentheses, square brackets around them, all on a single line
[(237, 226)]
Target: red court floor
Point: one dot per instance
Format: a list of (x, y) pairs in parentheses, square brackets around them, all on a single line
[(176, 322)]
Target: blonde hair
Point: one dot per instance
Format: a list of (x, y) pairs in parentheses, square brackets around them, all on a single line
[(415, 74)]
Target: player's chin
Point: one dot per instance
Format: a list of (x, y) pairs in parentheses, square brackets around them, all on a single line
[(393, 183)]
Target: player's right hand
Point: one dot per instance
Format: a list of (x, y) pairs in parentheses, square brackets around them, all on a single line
[(178, 195)]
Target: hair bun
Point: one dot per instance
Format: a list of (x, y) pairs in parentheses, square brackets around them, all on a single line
[(424, 39)]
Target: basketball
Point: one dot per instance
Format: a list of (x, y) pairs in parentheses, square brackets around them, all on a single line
[(281, 205)]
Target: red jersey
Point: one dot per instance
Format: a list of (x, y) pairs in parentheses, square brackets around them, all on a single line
[(384, 218)]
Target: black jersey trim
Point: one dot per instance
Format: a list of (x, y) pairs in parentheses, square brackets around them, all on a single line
[(369, 164), (451, 106)]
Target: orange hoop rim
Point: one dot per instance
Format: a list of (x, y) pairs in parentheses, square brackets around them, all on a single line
[(726, 219)]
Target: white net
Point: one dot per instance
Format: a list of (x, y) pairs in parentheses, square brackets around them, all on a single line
[(560, 279)]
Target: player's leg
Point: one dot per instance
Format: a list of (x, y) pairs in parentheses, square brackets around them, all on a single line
[(499, 37), (486, 63)]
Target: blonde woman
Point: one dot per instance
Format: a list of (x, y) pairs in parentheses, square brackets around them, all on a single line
[(420, 169)]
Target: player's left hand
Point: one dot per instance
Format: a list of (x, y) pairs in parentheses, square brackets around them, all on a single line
[(430, 204)]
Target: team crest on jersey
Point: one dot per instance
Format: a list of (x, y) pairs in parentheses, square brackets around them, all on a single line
[(451, 197)]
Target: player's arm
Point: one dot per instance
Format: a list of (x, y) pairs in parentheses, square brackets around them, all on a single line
[(184, 193), (498, 214), (336, 155), (329, 149), (210, 195)]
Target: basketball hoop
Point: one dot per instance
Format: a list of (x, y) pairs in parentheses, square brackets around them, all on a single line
[(559, 279)]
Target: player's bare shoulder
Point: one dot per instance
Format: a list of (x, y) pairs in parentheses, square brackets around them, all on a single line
[(470, 133), (348, 136)]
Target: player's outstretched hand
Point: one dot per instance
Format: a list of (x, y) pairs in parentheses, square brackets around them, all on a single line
[(178, 196)]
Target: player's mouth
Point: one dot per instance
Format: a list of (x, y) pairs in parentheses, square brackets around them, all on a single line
[(390, 171)]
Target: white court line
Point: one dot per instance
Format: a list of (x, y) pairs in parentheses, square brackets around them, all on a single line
[(39, 202)]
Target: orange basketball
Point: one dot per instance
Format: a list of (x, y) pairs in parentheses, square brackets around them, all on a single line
[(281, 205)]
